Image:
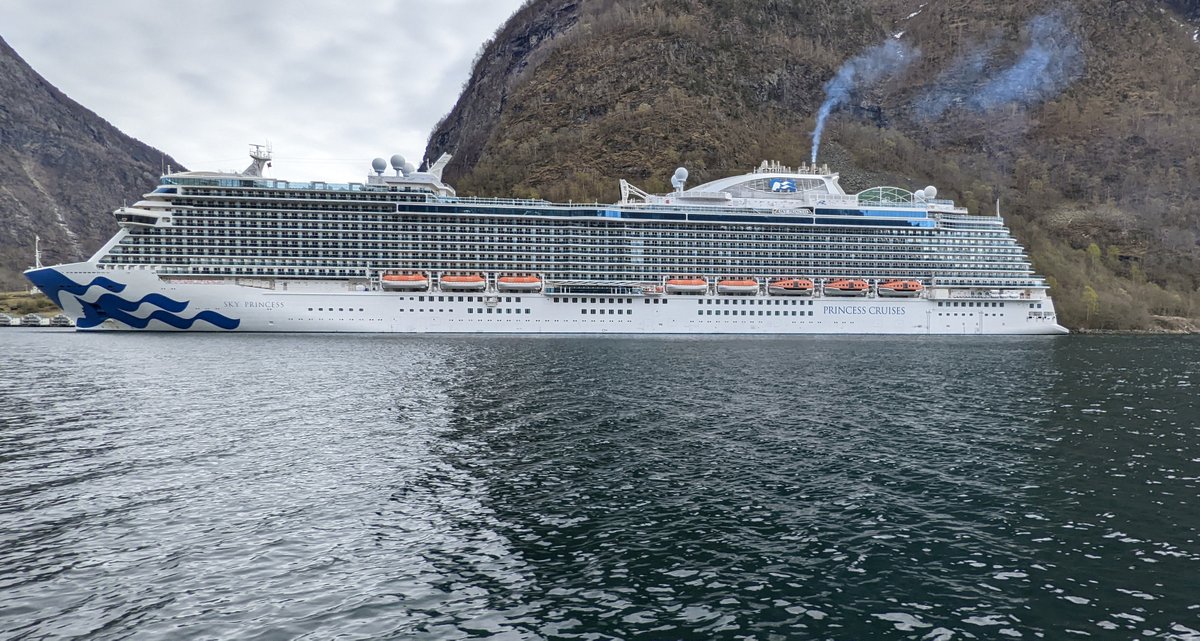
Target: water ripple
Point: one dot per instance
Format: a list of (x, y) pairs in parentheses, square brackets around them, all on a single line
[(557, 488)]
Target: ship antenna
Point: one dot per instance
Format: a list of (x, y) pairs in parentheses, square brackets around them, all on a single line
[(37, 251), (260, 156)]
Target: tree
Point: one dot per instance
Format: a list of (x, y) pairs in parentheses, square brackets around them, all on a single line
[(1093, 252), (1113, 256), (1091, 300)]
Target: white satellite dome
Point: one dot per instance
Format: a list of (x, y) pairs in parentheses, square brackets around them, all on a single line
[(679, 178)]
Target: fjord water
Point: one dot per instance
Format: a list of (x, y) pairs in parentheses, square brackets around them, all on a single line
[(281, 486)]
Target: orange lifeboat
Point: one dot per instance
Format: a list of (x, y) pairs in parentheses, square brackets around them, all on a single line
[(519, 284), (847, 287), (900, 288), (737, 286), (687, 285), (467, 283), (404, 282), (790, 287)]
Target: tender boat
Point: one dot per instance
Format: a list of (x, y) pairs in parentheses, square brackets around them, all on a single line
[(847, 287), (737, 286), (900, 288), (519, 284), (404, 282), (687, 286), (468, 283), (790, 287)]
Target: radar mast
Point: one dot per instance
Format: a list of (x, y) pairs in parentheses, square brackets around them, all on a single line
[(260, 156)]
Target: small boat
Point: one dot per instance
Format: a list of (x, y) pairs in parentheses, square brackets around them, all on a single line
[(687, 285), (847, 287), (790, 287), (468, 283), (519, 284), (61, 320), (31, 320), (900, 288), (404, 282), (737, 286)]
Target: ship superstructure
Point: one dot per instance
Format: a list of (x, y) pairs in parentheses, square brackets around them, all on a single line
[(777, 250)]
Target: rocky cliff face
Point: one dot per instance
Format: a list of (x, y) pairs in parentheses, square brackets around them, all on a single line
[(1081, 116), (63, 169)]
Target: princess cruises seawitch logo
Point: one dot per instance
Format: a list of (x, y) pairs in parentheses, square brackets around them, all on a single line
[(783, 184), (111, 306)]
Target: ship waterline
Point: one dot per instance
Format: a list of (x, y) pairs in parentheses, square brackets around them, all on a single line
[(240, 252)]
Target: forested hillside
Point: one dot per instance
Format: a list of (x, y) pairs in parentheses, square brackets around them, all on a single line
[(1081, 117), (63, 169)]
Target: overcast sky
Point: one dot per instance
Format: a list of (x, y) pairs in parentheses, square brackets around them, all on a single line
[(330, 83)]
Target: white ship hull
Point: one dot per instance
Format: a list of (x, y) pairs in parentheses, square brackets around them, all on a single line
[(137, 299)]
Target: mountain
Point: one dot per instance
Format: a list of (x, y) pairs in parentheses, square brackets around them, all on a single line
[(1082, 117), (63, 169)]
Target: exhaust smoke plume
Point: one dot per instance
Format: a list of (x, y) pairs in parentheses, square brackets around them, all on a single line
[(869, 68), (1050, 62)]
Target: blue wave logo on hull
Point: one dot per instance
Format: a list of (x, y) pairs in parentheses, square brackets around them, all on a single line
[(111, 306), (53, 284)]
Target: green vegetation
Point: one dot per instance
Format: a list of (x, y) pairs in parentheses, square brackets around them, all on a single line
[(1101, 182), (21, 303)]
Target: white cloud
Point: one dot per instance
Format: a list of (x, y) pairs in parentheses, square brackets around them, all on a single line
[(330, 84)]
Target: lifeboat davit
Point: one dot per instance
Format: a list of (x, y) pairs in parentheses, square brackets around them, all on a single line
[(900, 288), (737, 286), (687, 286), (519, 284), (847, 287), (469, 283), (404, 282), (790, 287)]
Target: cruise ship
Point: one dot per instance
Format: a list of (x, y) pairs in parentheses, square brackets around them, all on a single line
[(778, 250)]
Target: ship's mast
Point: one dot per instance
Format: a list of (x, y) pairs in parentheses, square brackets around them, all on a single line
[(37, 260), (260, 156)]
